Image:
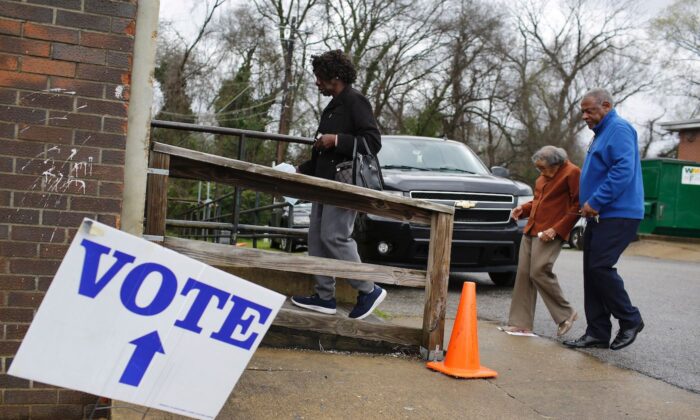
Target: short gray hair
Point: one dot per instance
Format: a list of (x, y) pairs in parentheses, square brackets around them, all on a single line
[(600, 95), (551, 155)]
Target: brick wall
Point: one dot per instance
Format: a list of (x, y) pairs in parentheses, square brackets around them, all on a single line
[(689, 145), (64, 91)]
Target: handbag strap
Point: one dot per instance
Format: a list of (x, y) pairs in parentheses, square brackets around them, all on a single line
[(354, 159)]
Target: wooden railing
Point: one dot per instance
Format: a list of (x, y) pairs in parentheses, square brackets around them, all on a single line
[(171, 161)]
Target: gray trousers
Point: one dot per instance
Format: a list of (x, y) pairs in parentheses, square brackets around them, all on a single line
[(329, 237), (535, 263)]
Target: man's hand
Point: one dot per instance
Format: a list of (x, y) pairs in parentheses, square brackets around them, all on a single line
[(325, 141), (516, 212), (547, 235), (588, 211)]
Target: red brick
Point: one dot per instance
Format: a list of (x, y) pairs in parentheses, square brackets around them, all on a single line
[(22, 182), (44, 283), (25, 299), (50, 67), (6, 164), (107, 41), (4, 232), (8, 62), (46, 134), (20, 148), (22, 46), (80, 88), (72, 120), (52, 251), (23, 115), (47, 100), (99, 73), (18, 249), (91, 138), (65, 4), (117, 59), (78, 154), (51, 412), (7, 130), (112, 157), (91, 106), (25, 12), (34, 266), (14, 412), (8, 282), (78, 54), (67, 396), (40, 200), (107, 173), (13, 27), (8, 382), (123, 26), (5, 197), (51, 33), (94, 204), (109, 189), (38, 234), (8, 96), (19, 216), (115, 125), (111, 8), (23, 80), (83, 20), (13, 315), (64, 219), (9, 348), (109, 220), (31, 396)]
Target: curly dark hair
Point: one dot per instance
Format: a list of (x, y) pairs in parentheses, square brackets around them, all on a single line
[(332, 64)]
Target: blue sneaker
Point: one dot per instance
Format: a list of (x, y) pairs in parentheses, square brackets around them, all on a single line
[(367, 302), (315, 303)]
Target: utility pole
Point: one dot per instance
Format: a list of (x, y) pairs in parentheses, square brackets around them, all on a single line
[(287, 108)]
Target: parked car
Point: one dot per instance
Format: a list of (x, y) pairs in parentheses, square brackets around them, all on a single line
[(301, 213), (485, 238), (576, 235)]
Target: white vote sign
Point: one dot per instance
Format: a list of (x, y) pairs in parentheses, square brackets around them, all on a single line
[(130, 320)]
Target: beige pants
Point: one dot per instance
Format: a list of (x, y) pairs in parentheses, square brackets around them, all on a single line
[(535, 275)]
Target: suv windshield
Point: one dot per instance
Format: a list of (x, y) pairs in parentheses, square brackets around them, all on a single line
[(428, 155)]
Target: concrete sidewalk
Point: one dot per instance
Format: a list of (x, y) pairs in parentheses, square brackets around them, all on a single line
[(538, 378)]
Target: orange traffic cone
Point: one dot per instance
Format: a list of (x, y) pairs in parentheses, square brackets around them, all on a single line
[(462, 360)]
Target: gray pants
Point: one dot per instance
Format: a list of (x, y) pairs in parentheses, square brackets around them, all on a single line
[(329, 237), (535, 263)]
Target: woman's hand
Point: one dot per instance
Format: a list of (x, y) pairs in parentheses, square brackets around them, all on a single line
[(516, 212), (326, 141), (547, 235)]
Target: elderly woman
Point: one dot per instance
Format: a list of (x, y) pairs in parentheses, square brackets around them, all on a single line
[(552, 213)]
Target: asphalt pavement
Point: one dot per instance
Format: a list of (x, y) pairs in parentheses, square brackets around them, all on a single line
[(666, 292)]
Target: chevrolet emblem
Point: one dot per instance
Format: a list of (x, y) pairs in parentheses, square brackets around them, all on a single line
[(466, 204)]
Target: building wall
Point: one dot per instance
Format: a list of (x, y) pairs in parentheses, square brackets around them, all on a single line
[(64, 94), (689, 145)]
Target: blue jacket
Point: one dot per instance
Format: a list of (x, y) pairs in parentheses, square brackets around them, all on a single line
[(611, 177)]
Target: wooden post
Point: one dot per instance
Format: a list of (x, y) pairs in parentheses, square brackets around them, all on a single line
[(437, 278), (157, 195)]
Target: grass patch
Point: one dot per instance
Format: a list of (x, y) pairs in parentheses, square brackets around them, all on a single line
[(381, 314)]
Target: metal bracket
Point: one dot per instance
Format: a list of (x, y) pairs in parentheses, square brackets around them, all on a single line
[(153, 238), (436, 355), (158, 171)]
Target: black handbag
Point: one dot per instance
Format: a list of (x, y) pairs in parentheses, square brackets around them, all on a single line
[(362, 170)]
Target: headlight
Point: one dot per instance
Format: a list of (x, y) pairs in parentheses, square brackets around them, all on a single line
[(522, 199)]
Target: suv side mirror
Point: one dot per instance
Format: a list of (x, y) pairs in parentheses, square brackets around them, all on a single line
[(500, 171)]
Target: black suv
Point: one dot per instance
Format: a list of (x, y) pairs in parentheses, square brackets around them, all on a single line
[(485, 238)]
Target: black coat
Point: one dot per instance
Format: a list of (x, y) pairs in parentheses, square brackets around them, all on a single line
[(348, 115)]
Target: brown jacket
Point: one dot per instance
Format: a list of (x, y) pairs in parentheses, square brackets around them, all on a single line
[(555, 204)]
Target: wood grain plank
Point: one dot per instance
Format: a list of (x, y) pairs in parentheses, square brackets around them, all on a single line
[(189, 164), (437, 278), (157, 193), (230, 256)]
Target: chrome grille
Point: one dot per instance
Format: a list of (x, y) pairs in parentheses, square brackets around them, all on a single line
[(456, 196), (489, 208)]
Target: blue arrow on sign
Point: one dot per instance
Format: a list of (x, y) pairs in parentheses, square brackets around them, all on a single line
[(146, 347)]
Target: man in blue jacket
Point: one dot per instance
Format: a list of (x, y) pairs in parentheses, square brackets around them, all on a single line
[(613, 197)]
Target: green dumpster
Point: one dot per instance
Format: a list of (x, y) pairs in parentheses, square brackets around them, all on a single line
[(671, 197)]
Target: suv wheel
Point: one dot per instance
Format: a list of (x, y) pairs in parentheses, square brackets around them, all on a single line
[(576, 238), (503, 279)]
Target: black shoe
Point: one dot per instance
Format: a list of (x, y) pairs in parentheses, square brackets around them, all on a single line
[(367, 302), (626, 337), (586, 341), (315, 303)]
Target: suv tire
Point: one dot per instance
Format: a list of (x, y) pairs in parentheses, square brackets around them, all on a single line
[(506, 279)]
